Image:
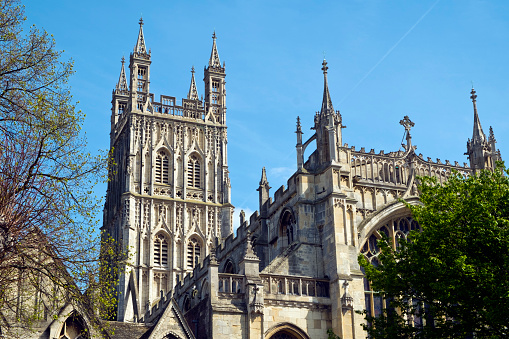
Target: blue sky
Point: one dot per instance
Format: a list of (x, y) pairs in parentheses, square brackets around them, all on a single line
[(386, 59)]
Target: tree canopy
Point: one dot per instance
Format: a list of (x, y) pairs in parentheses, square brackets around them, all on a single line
[(48, 225), (451, 279)]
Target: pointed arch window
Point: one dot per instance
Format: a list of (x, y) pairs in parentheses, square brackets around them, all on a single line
[(160, 250), (397, 230), (162, 168), (193, 172), (193, 253)]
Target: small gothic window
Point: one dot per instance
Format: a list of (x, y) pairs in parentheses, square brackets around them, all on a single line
[(229, 267), (193, 253), (287, 228), (141, 73), (121, 108), (140, 86), (162, 168), (215, 86), (193, 171), (160, 251)]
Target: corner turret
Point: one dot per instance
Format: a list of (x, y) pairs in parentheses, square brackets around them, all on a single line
[(139, 64), (120, 97), (215, 92), (328, 125), (481, 152)]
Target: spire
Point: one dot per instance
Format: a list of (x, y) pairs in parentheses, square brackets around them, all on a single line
[(263, 180), (140, 47), (122, 82), (478, 135), (326, 102), (193, 92), (214, 56)]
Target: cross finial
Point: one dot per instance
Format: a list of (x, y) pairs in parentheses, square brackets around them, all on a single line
[(473, 96), (123, 60), (324, 64), (141, 21), (192, 69), (214, 35), (407, 123)]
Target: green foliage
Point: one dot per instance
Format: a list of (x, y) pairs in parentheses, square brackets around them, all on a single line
[(454, 275), (332, 335), (49, 245)]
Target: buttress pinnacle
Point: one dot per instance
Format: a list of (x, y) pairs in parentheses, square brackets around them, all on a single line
[(121, 87), (326, 102), (478, 134), (193, 92)]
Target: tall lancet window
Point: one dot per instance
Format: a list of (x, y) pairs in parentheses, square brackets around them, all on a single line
[(193, 171), (193, 253), (160, 250), (162, 168)]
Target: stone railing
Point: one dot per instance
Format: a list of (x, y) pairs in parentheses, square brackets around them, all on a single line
[(394, 167), (380, 168), (293, 285), (231, 283)]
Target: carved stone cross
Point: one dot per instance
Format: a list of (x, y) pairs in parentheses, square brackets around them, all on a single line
[(407, 123)]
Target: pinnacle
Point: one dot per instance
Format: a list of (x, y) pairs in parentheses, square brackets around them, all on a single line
[(326, 102)]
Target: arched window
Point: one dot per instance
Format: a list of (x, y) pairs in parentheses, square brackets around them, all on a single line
[(229, 267), (193, 171), (74, 327), (160, 250), (396, 230), (193, 253), (162, 167), (287, 228)]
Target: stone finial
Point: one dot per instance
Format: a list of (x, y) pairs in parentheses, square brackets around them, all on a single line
[(212, 255), (408, 124), (242, 217), (299, 128), (249, 253)]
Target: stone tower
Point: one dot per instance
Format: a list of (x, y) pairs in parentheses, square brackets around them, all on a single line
[(168, 197)]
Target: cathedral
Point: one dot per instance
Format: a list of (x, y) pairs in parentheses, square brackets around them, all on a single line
[(291, 270)]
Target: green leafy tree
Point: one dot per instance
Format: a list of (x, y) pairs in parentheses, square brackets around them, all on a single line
[(49, 246), (451, 280)]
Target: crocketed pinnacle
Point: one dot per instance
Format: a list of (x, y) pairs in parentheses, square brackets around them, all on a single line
[(326, 102), (478, 134), (214, 56), (263, 180), (140, 47), (193, 92), (122, 82)]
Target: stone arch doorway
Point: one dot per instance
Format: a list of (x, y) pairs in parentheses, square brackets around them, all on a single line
[(286, 331), (74, 327)]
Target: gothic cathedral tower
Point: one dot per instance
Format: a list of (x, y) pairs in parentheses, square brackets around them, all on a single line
[(168, 197)]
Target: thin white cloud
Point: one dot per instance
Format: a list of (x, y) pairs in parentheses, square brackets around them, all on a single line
[(279, 173), (236, 216)]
